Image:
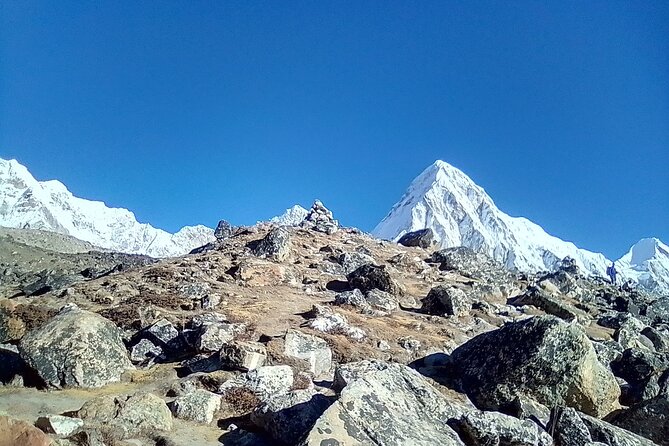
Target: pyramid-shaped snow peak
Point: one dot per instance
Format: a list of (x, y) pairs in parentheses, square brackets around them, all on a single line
[(49, 205), (461, 213)]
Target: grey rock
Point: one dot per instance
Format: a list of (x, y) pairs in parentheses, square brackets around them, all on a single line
[(642, 370), (214, 336), (393, 406), (542, 358), (629, 335), (241, 355), (659, 339), (608, 351), (369, 276), (290, 416), (76, 348), (128, 416), (448, 300), (59, 426), (350, 261), (606, 433), (354, 298), (349, 372), (551, 305), (486, 428), (145, 352), (263, 381), (311, 348), (381, 300), (275, 245), (224, 230), (422, 238), (199, 405), (568, 428), (163, 333), (211, 317), (323, 319), (658, 311), (320, 219), (650, 419)]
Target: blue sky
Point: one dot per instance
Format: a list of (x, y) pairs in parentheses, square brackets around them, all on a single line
[(188, 112)]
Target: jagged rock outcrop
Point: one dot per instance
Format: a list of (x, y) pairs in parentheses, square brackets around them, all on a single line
[(76, 348), (542, 358), (275, 245), (392, 405), (447, 300)]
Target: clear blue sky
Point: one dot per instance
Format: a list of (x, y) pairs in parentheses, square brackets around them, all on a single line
[(189, 112)]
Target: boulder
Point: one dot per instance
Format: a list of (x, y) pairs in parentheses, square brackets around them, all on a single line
[(369, 276), (351, 371), (551, 305), (350, 261), (311, 348), (650, 419), (485, 428), (658, 311), (380, 300), (606, 433), (198, 405), (213, 337), (145, 352), (392, 406), (542, 358), (422, 238), (76, 348), (642, 370), (12, 327), (290, 416), (354, 298), (242, 355), (59, 426), (275, 245), (263, 381), (127, 415), (448, 300), (19, 433), (628, 334)]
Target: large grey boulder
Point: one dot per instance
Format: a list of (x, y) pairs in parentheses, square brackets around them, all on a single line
[(390, 406), (649, 419), (243, 355), (198, 405), (447, 300), (370, 276), (263, 381), (350, 261), (275, 245), (551, 305), (127, 415), (606, 433), (642, 370), (313, 349), (76, 348), (485, 428), (542, 358), (423, 238), (290, 416)]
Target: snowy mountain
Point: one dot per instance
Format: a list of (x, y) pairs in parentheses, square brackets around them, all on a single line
[(48, 205), (461, 213), (292, 217), (647, 263)]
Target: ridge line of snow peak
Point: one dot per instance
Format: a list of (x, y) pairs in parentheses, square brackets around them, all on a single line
[(461, 213), (49, 205)]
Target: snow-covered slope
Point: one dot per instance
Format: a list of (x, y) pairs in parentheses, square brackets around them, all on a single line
[(647, 263), (461, 213), (292, 217), (48, 205)]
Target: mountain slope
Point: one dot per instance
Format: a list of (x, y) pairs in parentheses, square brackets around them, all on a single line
[(48, 205), (461, 213), (647, 263), (292, 217)]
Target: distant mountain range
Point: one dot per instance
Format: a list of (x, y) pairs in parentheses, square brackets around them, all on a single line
[(442, 198), (48, 205), (461, 213)]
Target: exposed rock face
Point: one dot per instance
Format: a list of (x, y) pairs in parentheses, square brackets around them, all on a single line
[(446, 300), (542, 358), (391, 406), (642, 370), (263, 381), (223, 230), (127, 416), (76, 348), (311, 348), (60, 426), (198, 405), (422, 238), (649, 419), (276, 245), (368, 277), (485, 428), (320, 219)]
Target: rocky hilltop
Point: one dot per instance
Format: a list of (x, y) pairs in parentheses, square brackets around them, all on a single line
[(318, 335)]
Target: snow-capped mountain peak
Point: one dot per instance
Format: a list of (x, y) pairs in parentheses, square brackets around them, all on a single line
[(647, 263), (292, 217), (461, 213), (28, 203)]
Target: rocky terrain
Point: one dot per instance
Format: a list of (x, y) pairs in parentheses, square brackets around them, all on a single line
[(320, 335)]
